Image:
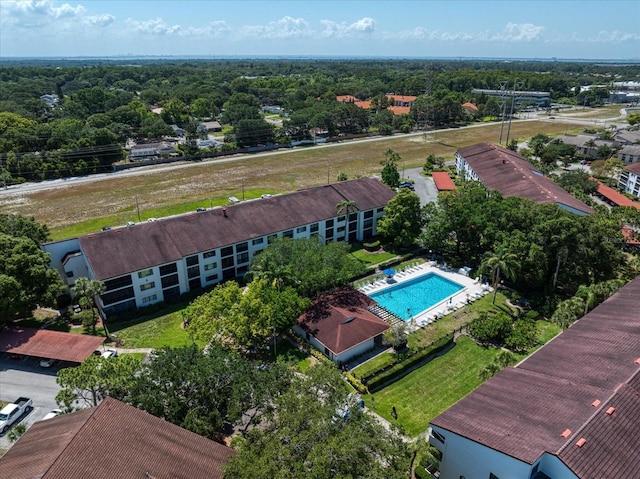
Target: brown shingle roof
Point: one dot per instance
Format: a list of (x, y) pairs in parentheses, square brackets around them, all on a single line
[(339, 319), (109, 441), (504, 170), (523, 411), (125, 250), (42, 343)]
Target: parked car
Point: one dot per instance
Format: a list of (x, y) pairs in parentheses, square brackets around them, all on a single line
[(266, 195), (201, 208), (12, 412), (110, 353), (407, 184), (52, 414), (47, 363)]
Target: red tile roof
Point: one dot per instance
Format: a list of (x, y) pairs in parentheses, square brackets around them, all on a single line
[(470, 106), (443, 181), (43, 343), (399, 110), (110, 441), (125, 250), (401, 98), (629, 236), (339, 319), (346, 99), (569, 383), (365, 104), (615, 197), (504, 170)]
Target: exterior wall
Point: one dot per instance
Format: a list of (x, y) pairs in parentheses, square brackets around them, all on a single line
[(58, 251), (630, 182), (337, 358), (207, 268), (462, 457), (462, 167), (74, 268), (554, 467)]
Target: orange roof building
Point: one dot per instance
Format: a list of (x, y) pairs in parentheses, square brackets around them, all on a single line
[(443, 181)]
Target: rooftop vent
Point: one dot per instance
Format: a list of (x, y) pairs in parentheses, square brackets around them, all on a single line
[(581, 442), (611, 410), (348, 320), (596, 403), (566, 433)]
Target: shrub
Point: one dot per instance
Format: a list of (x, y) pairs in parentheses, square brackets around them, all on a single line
[(355, 382), (373, 246)]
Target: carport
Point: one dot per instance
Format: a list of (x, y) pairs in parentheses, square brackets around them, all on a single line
[(443, 181), (42, 343)]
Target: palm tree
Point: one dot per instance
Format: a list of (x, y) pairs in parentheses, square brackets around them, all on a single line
[(346, 206), (499, 262), (588, 296), (87, 290)]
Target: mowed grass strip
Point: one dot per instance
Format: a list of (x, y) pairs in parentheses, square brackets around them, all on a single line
[(428, 391), (165, 330), (117, 200)]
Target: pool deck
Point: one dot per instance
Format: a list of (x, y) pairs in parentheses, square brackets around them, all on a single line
[(472, 290)]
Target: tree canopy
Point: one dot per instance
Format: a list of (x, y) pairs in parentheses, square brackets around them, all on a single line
[(402, 221), (309, 434)]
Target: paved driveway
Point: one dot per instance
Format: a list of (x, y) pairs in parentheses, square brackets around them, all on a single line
[(26, 378), (425, 187)]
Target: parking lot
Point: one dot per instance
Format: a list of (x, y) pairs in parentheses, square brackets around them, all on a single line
[(25, 377)]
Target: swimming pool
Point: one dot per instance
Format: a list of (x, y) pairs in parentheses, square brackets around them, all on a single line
[(412, 297)]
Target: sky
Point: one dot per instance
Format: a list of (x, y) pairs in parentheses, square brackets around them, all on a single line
[(564, 29)]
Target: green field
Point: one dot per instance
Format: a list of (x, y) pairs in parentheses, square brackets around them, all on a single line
[(428, 391)]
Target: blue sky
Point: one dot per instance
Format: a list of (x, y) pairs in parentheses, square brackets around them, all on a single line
[(420, 28)]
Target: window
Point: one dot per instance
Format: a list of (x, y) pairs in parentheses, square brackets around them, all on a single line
[(168, 293), (368, 214), (380, 210), (192, 260), (168, 269), (341, 218), (340, 229), (242, 258), (209, 254), (212, 277), (242, 247), (226, 251), (194, 284), (329, 223), (353, 217), (288, 234), (257, 241), (210, 266), (368, 224), (227, 262), (271, 238), (313, 228), (169, 281), (117, 296), (69, 274), (149, 299), (146, 286), (117, 283), (301, 229), (193, 271), (437, 435), (145, 273)]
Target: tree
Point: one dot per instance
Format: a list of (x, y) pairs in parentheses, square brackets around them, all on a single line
[(402, 221), (86, 290), (247, 317), (346, 207), (538, 143), (307, 265), (389, 174), (95, 379), (501, 261), (491, 328), (396, 335), (203, 391), (318, 430)]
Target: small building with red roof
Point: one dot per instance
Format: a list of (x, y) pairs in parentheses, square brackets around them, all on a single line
[(614, 198), (340, 325), (443, 181), (42, 343)]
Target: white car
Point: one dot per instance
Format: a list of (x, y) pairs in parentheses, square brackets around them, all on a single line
[(52, 414), (110, 353), (47, 363)]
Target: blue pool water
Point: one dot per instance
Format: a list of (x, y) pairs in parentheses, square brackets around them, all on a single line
[(412, 297)]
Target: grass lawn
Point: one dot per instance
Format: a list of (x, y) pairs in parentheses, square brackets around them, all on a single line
[(293, 357), (375, 363), (371, 259), (428, 391), (87, 207), (154, 332)]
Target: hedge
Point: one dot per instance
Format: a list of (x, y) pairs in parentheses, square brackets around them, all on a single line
[(402, 367), (357, 385)]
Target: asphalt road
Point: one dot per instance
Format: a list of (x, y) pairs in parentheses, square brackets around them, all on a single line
[(425, 188), (27, 378)]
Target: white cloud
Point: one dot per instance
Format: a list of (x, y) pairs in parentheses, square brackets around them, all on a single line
[(156, 26), (615, 37), (365, 25), (100, 20), (421, 33), (286, 27)]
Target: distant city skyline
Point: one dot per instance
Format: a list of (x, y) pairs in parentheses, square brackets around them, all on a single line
[(588, 29)]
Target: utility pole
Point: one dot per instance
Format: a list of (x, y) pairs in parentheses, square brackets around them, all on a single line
[(516, 86), (503, 88)]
